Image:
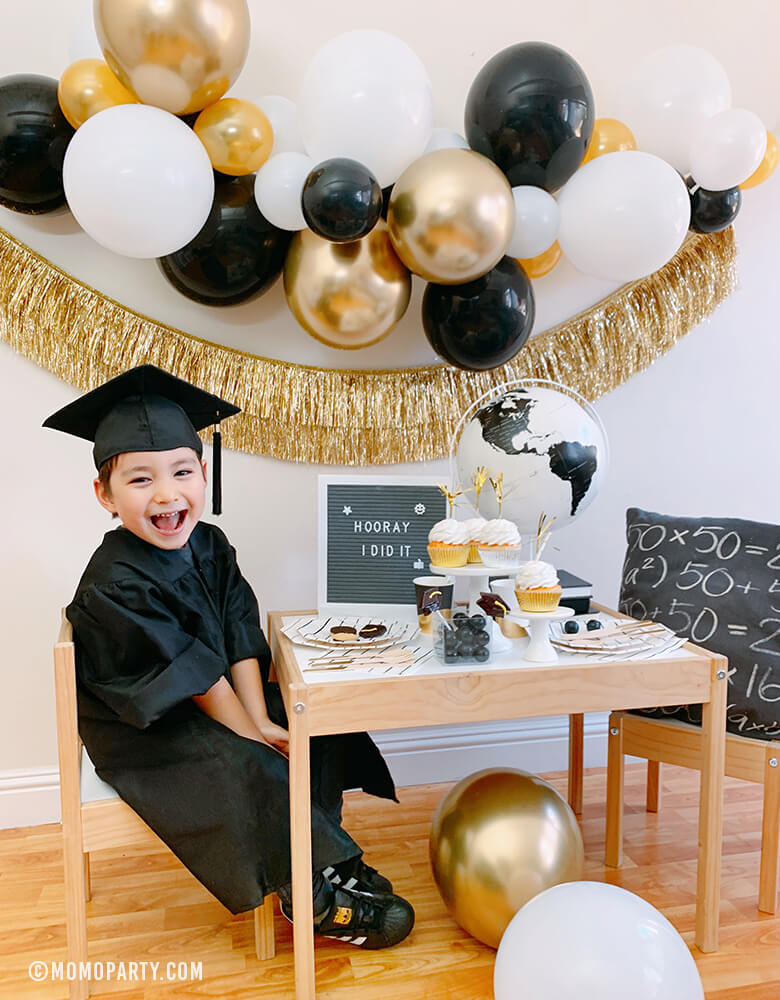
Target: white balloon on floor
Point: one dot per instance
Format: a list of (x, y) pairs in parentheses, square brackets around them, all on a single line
[(138, 180), (593, 941), (623, 215), (367, 96)]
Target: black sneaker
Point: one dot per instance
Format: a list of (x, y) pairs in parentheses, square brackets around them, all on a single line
[(356, 875), (366, 921)]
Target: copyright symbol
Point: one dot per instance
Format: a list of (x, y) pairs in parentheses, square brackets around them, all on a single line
[(38, 971)]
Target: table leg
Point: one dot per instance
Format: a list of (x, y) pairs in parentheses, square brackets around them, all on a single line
[(576, 743), (300, 853), (711, 808)]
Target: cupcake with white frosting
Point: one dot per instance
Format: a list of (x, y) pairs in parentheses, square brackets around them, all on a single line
[(499, 543), (473, 527), (537, 587), (448, 543)]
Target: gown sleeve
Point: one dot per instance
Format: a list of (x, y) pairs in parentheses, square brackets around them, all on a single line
[(244, 638), (133, 654)]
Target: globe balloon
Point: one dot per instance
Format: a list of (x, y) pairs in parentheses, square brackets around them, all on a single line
[(546, 440)]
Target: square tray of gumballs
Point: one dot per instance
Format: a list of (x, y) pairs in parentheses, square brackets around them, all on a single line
[(465, 641)]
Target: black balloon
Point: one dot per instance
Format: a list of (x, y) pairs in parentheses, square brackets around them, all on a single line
[(236, 255), (712, 211), (341, 201), (530, 110), (34, 135), (483, 323)]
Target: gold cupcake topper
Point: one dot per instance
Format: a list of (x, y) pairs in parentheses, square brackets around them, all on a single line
[(478, 479), (451, 495), (498, 487), (543, 532)]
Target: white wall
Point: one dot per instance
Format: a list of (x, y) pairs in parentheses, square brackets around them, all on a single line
[(694, 434)]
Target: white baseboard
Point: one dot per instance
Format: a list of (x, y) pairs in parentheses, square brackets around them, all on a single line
[(447, 753), (29, 797), (415, 757)]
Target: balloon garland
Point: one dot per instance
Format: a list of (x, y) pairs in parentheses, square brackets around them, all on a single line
[(155, 161)]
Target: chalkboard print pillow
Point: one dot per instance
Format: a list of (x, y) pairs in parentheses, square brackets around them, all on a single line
[(716, 581)]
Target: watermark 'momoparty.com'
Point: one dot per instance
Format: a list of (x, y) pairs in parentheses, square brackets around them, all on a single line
[(133, 972)]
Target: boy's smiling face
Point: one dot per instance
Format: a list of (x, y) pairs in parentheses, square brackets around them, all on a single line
[(158, 495)]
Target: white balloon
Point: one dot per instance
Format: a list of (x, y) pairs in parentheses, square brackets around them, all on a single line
[(278, 189), (536, 221), (138, 180), (367, 96), (727, 149), (282, 113), (444, 138), (82, 38), (623, 215), (593, 941), (669, 93)]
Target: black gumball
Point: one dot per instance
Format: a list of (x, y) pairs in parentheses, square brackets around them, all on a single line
[(712, 211), (481, 654), (481, 638), (341, 200), (571, 628), (593, 625), (237, 254), (459, 618), (34, 135), (530, 110), (477, 622), (483, 323)]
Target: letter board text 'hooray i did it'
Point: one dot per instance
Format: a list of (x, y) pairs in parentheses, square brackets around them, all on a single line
[(373, 537)]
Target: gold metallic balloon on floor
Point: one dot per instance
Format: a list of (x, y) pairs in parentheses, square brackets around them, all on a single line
[(180, 55), (346, 294), (451, 216), (89, 86), (237, 135), (497, 839)]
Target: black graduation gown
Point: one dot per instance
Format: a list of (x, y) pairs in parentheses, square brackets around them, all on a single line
[(152, 628)]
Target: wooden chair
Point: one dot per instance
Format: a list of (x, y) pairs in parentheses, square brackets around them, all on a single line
[(671, 742), (94, 817)]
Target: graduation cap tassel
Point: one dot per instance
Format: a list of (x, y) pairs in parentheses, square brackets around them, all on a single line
[(216, 473)]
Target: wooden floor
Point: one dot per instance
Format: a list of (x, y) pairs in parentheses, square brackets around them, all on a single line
[(148, 908)]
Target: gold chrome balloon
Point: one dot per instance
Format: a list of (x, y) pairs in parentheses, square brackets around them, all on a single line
[(346, 294), (766, 167), (89, 86), (543, 263), (609, 136), (498, 838), (237, 135), (451, 216), (180, 55)]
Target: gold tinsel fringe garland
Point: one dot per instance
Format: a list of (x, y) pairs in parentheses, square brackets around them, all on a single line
[(353, 417)]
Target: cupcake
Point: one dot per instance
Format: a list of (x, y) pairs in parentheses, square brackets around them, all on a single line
[(473, 527), (499, 543), (537, 587), (448, 544)]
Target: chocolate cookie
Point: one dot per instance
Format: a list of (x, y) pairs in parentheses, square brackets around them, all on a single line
[(372, 631), (343, 633)]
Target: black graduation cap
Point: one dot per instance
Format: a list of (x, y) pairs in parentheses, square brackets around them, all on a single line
[(146, 409)]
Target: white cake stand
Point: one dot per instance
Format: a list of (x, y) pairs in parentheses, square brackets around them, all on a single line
[(478, 575), (540, 649)]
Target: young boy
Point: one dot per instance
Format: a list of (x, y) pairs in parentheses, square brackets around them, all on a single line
[(175, 706)]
